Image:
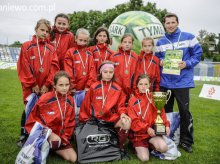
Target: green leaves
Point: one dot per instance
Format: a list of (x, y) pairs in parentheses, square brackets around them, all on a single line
[(93, 19)]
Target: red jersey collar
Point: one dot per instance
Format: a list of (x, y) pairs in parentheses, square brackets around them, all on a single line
[(54, 28), (145, 55), (126, 52), (40, 40), (60, 96), (102, 46)]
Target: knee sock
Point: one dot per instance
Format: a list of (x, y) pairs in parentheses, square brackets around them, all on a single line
[(122, 137), (54, 145)]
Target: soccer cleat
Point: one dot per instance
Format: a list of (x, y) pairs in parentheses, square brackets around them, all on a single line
[(186, 147), (124, 155)]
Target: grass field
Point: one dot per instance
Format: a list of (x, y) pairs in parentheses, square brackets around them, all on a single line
[(206, 114)]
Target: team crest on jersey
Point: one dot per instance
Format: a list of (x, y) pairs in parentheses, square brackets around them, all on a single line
[(77, 62), (51, 113), (32, 57), (98, 97)]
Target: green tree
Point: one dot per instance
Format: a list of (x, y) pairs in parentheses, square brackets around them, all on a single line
[(218, 45), (16, 44), (152, 8), (135, 4), (93, 19), (207, 39)]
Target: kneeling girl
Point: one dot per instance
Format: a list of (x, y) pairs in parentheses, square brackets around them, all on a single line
[(55, 110), (143, 115)]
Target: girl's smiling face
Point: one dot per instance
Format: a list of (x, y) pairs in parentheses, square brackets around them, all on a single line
[(61, 24)]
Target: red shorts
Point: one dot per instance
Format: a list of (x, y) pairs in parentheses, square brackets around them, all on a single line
[(142, 143), (63, 147)]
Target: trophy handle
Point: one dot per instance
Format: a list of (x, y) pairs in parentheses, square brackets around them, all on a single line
[(147, 94), (169, 95)]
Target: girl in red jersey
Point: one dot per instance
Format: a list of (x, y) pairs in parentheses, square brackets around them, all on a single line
[(100, 51), (148, 64), (61, 38), (55, 110), (37, 64), (125, 60), (79, 63), (143, 115), (105, 100)]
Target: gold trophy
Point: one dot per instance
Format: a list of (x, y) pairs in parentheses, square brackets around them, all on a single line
[(159, 99)]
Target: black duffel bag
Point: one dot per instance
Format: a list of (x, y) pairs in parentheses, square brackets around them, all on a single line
[(97, 141)]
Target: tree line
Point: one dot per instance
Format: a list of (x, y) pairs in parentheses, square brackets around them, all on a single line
[(92, 19)]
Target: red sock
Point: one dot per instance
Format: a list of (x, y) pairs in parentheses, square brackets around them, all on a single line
[(54, 145), (122, 137)]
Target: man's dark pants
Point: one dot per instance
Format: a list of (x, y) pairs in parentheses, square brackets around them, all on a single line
[(186, 121)]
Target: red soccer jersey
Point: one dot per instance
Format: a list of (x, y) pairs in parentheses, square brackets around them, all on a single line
[(29, 66), (113, 107), (47, 112), (149, 64), (125, 62), (143, 115), (62, 42), (79, 65), (100, 53)]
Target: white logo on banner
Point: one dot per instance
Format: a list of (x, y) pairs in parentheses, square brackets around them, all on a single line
[(152, 30), (117, 30), (210, 92)]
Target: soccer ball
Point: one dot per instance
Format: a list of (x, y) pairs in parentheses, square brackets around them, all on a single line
[(139, 23)]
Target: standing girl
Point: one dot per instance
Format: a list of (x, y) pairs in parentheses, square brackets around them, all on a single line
[(79, 63), (148, 64), (105, 100), (100, 51), (125, 61), (37, 64), (143, 115), (61, 38), (55, 110)]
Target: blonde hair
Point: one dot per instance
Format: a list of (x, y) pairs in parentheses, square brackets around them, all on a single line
[(45, 22), (147, 39), (82, 31)]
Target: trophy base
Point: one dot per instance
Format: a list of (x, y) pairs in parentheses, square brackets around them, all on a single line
[(159, 129)]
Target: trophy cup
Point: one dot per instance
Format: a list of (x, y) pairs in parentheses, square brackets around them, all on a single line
[(159, 99)]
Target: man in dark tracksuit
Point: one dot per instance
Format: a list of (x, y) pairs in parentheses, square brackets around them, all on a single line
[(175, 39)]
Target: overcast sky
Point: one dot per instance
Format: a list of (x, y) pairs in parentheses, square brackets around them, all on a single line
[(18, 17)]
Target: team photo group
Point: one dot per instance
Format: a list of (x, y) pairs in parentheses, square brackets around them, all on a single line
[(94, 104)]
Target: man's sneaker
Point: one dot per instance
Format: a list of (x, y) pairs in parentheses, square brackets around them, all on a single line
[(186, 147)]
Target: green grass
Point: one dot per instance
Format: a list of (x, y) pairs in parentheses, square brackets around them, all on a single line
[(206, 114)]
